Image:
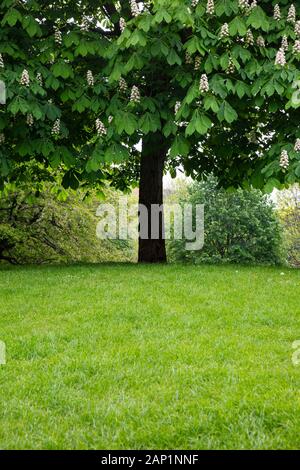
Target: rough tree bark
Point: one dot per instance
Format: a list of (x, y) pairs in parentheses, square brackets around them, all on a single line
[(151, 192)]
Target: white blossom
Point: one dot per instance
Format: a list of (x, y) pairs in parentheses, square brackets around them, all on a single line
[(197, 63), (110, 119), (210, 8), (100, 128), (57, 36), (244, 4), (231, 67), (29, 120), (292, 14), (135, 96), (297, 28), (253, 4), (90, 78), (85, 25), (297, 145), (56, 128), (39, 78), (249, 38), (224, 32), (188, 58), (122, 24), (277, 12), (2, 138), (296, 47), (25, 79), (280, 58), (284, 43), (252, 137), (134, 8), (284, 160), (194, 3), (204, 85), (123, 85), (1, 62), (177, 106), (260, 41)]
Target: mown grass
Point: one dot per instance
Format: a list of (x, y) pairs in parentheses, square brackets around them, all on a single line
[(135, 357)]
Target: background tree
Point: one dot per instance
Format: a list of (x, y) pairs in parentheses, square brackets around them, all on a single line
[(201, 84), (57, 226), (289, 213)]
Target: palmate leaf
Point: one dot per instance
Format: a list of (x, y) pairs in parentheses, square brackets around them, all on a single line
[(227, 113), (150, 123), (126, 122), (180, 146), (238, 26), (62, 69), (116, 153), (12, 17), (173, 58), (258, 19), (200, 123)]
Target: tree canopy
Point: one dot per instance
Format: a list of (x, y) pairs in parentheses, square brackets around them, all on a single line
[(87, 81)]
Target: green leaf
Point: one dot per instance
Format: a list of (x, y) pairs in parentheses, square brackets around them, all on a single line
[(271, 184), (67, 157), (82, 104), (211, 102), (162, 15), (31, 25), (200, 123), (237, 26), (19, 105), (241, 89), (145, 23), (150, 123), (71, 38), (52, 82), (70, 180), (24, 148), (180, 146), (227, 113), (116, 153), (51, 111), (116, 72), (125, 122), (170, 128), (11, 17), (137, 38), (258, 19), (61, 69), (173, 58), (297, 171), (193, 45)]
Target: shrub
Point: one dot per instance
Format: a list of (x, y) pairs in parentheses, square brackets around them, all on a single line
[(240, 227), (44, 229), (289, 213)]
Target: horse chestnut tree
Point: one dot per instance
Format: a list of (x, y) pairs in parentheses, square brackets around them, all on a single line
[(207, 86)]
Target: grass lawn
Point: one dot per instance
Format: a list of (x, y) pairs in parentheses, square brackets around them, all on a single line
[(144, 357)]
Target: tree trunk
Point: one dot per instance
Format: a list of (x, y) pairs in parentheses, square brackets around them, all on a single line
[(152, 249)]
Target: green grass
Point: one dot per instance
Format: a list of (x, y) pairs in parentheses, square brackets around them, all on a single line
[(142, 357)]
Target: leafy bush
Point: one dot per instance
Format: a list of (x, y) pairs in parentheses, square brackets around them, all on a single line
[(289, 213), (44, 229), (240, 227)]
